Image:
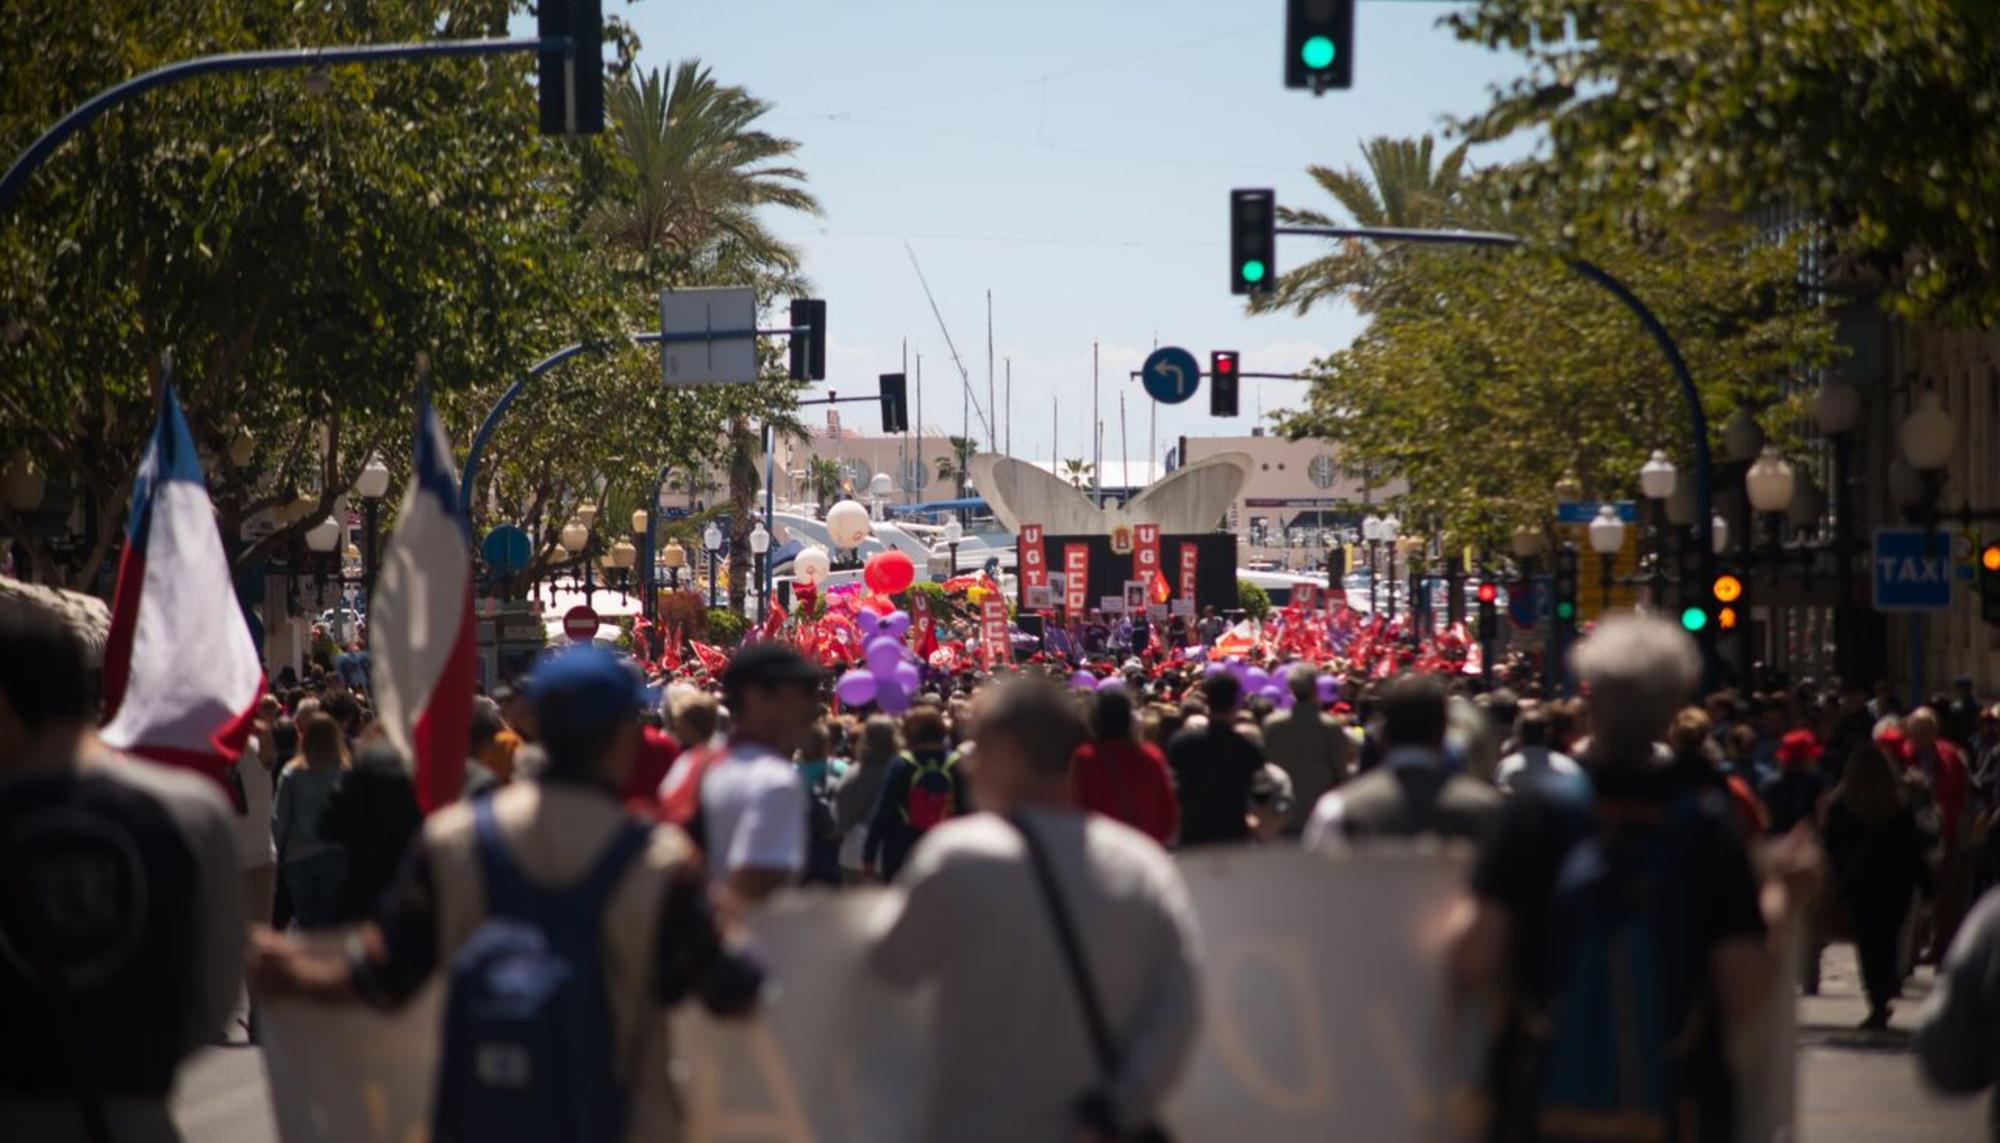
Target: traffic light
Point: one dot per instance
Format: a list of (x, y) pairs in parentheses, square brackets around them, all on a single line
[(1222, 383), (1488, 594), (1253, 241), (1565, 585), (895, 403), (808, 341), (570, 85), (1726, 594), (1989, 583), (1319, 44)]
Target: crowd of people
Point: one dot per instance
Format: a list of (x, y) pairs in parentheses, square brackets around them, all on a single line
[(615, 830)]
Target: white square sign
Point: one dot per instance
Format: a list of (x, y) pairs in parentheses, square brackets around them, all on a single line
[(709, 360)]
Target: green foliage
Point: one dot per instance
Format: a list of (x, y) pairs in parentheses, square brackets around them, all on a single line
[(1253, 600), (933, 594), (726, 627), (1881, 117), (1485, 375)]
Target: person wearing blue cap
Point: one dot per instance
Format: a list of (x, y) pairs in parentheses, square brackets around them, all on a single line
[(548, 854)]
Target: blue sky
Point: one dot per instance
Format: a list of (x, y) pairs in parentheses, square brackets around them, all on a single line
[(1072, 156)]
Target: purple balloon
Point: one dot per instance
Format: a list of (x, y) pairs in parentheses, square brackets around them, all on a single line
[(1256, 679), (1285, 699), (869, 622), (906, 676), (883, 653), (1329, 688), (1213, 669), (896, 624), (1272, 691), (1111, 684), (1239, 668), (856, 688), (892, 698), (1083, 680)]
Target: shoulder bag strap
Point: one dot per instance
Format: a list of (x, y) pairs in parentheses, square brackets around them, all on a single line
[(61, 1002), (1072, 949)]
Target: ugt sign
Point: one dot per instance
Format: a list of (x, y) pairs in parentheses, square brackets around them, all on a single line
[(1912, 569)]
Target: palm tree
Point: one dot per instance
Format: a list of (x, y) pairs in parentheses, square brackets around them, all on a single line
[(823, 478), (694, 172), (742, 449), (1406, 184), (953, 466), (1078, 472)]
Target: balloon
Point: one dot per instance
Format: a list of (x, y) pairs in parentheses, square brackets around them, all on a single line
[(883, 653), (810, 566), (1106, 686), (1286, 699), (892, 698), (847, 524), (1238, 668), (896, 624), (856, 688), (1213, 669), (889, 572), (906, 676), (1329, 687), (1272, 691), (869, 622), (1256, 679), (1083, 680)]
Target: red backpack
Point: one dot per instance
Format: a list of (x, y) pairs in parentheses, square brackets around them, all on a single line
[(933, 789)]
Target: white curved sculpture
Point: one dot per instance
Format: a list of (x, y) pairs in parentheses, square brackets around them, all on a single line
[(1188, 500)]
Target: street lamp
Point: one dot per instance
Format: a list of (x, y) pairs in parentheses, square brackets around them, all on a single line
[(575, 535), (324, 536), (760, 547), (880, 487), (1657, 476), (1389, 528), (1719, 525), (1770, 482), (372, 485), (623, 556), (953, 532), (711, 538), (1742, 437), (587, 512), (1526, 543), (1659, 480), (1607, 535), (676, 558), (1371, 533)]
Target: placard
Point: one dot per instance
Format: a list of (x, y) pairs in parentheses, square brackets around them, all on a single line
[(1040, 598), (1076, 578), (993, 641), (1190, 563), (1145, 553), (1030, 557), (1112, 605), (1135, 596), (1182, 607)]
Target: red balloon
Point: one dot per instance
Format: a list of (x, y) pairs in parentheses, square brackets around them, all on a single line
[(889, 572)]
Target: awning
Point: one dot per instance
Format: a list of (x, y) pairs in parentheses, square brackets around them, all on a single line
[(969, 504)]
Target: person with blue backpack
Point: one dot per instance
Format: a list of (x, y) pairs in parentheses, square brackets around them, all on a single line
[(563, 925), (1617, 927)]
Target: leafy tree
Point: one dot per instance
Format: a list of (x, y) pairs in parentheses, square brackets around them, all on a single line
[(1490, 372), (1404, 186), (1078, 472), (823, 478), (1881, 117), (953, 465), (1254, 601)]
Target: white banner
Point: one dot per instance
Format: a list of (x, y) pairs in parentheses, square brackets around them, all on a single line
[(1323, 1015)]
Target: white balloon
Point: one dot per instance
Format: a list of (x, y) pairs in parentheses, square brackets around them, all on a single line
[(810, 566), (847, 523)]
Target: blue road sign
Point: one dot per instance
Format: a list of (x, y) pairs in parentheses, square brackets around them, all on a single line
[(1170, 375), (1584, 511), (506, 549), (677, 512), (1912, 570)]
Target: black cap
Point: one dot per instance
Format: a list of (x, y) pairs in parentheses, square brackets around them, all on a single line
[(768, 664)]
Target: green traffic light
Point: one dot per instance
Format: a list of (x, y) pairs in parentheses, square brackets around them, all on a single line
[(1317, 52), (1694, 618), (1253, 271), (1565, 609)]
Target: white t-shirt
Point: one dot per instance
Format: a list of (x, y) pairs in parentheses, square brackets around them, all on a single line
[(754, 808), (1014, 1055)]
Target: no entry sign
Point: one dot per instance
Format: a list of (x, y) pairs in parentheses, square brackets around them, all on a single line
[(580, 623)]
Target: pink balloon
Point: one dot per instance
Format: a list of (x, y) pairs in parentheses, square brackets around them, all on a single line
[(856, 688)]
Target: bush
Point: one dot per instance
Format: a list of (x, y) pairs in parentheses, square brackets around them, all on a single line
[(933, 594), (1252, 599), (725, 627)]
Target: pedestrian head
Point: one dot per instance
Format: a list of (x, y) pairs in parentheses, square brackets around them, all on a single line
[(587, 705), (44, 685), (1869, 787), (1689, 732), (1220, 692), (1413, 712), (813, 747), (1111, 715), (694, 718), (1637, 670), (924, 728), (1028, 729), (519, 711), (1922, 727), (880, 741), (486, 724), (321, 744), (1304, 683), (1531, 726), (772, 693)]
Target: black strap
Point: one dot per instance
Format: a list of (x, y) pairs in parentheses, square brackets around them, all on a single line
[(64, 1017), (1072, 950)]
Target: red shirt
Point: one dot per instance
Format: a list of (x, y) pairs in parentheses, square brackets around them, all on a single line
[(1125, 781), (650, 763)]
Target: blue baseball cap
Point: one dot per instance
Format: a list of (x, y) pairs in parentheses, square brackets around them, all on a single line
[(584, 685)]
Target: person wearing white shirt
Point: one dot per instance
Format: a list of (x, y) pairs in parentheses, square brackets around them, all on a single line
[(1533, 759), (752, 803)]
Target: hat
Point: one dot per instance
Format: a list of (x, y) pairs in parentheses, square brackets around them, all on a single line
[(768, 664), (585, 684), (1798, 747)]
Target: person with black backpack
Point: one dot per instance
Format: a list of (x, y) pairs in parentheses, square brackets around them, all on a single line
[(1619, 926), (563, 924), (923, 789)]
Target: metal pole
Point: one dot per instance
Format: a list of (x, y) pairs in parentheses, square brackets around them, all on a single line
[(770, 521), (1604, 583), (370, 506), (81, 116)]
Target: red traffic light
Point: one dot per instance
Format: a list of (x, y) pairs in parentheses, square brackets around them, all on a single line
[(1489, 592), (1222, 361)]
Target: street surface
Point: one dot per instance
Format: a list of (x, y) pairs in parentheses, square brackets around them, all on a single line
[(1854, 1087)]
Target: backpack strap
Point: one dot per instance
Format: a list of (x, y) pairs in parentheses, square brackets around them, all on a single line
[(1084, 985), (510, 893), (596, 888)]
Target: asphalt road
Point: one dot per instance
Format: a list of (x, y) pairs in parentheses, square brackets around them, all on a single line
[(1854, 1087)]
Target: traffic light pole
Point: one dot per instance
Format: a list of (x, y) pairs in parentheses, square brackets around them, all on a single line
[(1697, 418), (81, 116)]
